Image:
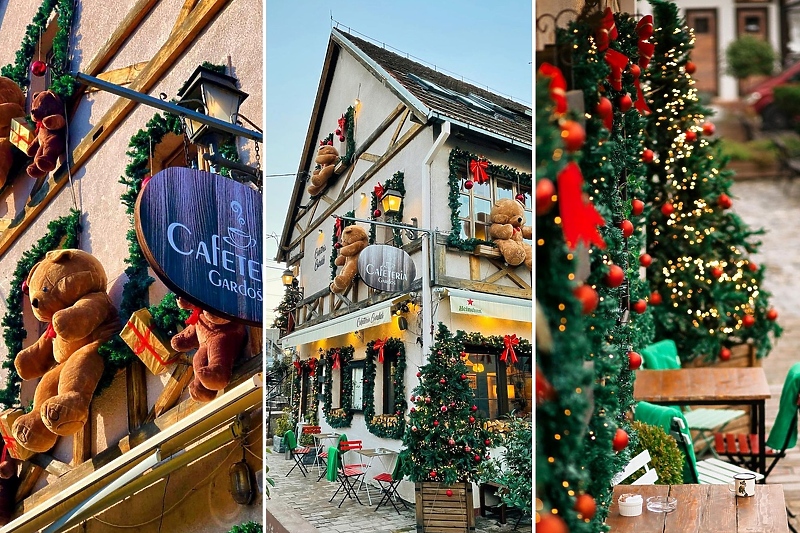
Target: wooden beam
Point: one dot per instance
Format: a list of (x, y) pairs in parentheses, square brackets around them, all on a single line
[(180, 377), (50, 464), (82, 443), (29, 475), (186, 9), (400, 125), (136, 381), (474, 267), (479, 286), (369, 157), (120, 76)]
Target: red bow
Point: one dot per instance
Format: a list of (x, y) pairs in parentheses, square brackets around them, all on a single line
[(617, 61), (378, 190), (337, 227), (39, 125), (509, 355), (10, 447), (558, 86), (298, 367), (640, 104), (579, 218), (194, 317), (644, 29), (335, 358), (379, 344), (607, 31), (312, 365), (478, 170), (51, 332), (342, 121)]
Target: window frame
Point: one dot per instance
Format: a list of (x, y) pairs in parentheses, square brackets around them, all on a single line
[(390, 362), (467, 197), (502, 380), (357, 384)]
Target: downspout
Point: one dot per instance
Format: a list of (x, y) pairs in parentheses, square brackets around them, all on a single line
[(428, 256)]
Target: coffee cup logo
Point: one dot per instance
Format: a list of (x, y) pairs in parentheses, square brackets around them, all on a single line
[(237, 237)]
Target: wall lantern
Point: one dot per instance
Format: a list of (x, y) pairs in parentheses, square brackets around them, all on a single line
[(392, 201), (287, 278), (241, 485), (212, 94)]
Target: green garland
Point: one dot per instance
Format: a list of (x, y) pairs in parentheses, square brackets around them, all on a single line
[(396, 182), (335, 241), (305, 365), (394, 425), (349, 133), (493, 345), (61, 233), (247, 527), (459, 166), (63, 84), (342, 417)]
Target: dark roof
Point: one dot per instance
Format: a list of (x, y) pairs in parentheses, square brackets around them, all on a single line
[(457, 100)]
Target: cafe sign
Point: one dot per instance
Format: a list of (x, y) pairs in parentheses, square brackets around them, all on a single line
[(201, 234), (386, 268)]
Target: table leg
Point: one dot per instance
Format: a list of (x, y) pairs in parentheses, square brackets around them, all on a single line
[(762, 438), (364, 477)]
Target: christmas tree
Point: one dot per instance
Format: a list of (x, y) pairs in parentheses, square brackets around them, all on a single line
[(444, 438), (284, 317), (711, 291)]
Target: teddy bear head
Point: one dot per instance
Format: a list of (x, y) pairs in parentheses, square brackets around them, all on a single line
[(353, 234), (61, 279), (45, 104), (508, 211), (10, 93)]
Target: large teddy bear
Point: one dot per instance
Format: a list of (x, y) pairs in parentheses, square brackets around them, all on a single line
[(67, 290), (12, 105), (50, 142), (326, 161), (354, 239), (218, 341), (507, 231)]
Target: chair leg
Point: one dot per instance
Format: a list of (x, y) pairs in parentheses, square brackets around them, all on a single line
[(298, 461)]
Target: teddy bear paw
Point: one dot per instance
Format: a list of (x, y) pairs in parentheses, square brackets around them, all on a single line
[(65, 414), (199, 393), (214, 377), (31, 433)]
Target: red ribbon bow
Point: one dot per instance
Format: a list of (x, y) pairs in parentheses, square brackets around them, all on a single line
[(337, 227), (644, 29), (299, 367), (335, 358), (379, 344), (640, 104), (607, 31), (378, 190), (509, 356), (312, 365), (558, 86), (342, 121), (579, 218), (51, 332), (617, 61), (478, 170), (10, 447), (194, 317), (39, 125)]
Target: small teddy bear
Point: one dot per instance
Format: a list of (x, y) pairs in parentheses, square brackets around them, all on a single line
[(9, 483), (327, 156), (354, 239), (50, 142), (218, 341), (508, 231), (67, 290), (12, 105)]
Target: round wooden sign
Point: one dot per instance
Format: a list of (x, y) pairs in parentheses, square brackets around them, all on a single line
[(386, 268), (201, 234)]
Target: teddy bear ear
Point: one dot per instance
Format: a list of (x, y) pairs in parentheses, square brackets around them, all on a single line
[(60, 256), (35, 95)]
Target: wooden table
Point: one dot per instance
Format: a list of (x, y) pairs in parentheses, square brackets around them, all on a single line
[(710, 386), (703, 509)]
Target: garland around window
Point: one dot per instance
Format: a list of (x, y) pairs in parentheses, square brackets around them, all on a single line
[(343, 416), (387, 425)]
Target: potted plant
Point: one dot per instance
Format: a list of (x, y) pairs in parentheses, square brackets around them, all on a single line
[(282, 425), (513, 470)]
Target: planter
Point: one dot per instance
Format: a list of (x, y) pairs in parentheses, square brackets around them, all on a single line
[(278, 444), (439, 513)]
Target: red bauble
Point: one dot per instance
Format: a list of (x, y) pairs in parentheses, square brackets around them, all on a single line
[(586, 506), (419, 374), (748, 321), (472, 420), (376, 213), (709, 128), (338, 132), (433, 473), (588, 298), (337, 245), (341, 138), (520, 198), (655, 298), (603, 107), (636, 71), (691, 136), (413, 428), (772, 314), (451, 442), (716, 272), (625, 103), (473, 408), (428, 399), (442, 381), (444, 408), (645, 260), (615, 276), (573, 135), (724, 201), (463, 376), (648, 155), (544, 389), (753, 267), (690, 67), (477, 458), (449, 493), (38, 68), (634, 360), (467, 449), (468, 184), (551, 523), (667, 209), (413, 409), (487, 442), (435, 423), (627, 228), (637, 207), (620, 440), (640, 306), (724, 354)]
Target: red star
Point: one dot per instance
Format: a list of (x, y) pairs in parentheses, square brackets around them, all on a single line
[(469, 302)]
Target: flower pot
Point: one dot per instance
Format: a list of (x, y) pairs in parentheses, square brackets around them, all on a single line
[(436, 511), (278, 444)]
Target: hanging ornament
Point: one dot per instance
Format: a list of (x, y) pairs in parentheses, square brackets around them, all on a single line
[(716, 272), (645, 260), (615, 276), (634, 360), (509, 356), (655, 298), (588, 298), (550, 523), (586, 506), (573, 135), (605, 111), (641, 103), (468, 185), (436, 423), (748, 321), (724, 201), (544, 389), (724, 354), (520, 198), (667, 209), (449, 493), (772, 314), (690, 67), (640, 306), (451, 442), (648, 155), (637, 207), (377, 213), (579, 218), (627, 228), (625, 103), (691, 136), (471, 419), (38, 68), (545, 190), (753, 267), (709, 129), (620, 440)]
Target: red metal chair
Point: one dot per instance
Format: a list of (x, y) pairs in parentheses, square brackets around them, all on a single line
[(323, 457), (347, 475), (296, 452), (391, 481)]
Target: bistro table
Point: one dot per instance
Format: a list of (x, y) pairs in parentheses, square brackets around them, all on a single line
[(370, 454), (703, 509), (710, 386), (320, 440)]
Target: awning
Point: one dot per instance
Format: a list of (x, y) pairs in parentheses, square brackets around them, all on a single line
[(371, 316), (489, 305)]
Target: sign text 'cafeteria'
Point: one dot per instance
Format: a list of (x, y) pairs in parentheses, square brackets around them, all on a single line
[(201, 233), (386, 268)]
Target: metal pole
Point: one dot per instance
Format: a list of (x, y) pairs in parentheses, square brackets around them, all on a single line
[(169, 107)]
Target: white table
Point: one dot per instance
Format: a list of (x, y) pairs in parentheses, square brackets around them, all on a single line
[(370, 454), (320, 439)]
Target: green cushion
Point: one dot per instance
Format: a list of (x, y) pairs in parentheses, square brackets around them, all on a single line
[(662, 355), (662, 415)]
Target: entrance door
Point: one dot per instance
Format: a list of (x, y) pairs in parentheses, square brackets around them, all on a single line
[(704, 55), (751, 21)]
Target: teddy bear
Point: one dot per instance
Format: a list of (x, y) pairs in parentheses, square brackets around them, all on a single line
[(67, 291), (508, 230), (354, 239), (9, 483), (218, 341), (12, 105), (50, 142), (327, 156)]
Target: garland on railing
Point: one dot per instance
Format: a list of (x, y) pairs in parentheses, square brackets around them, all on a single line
[(63, 84), (459, 166), (61, 233), (494, 344), (349, 131), (396, 182), (342, 417), (338, 226), (388, 425), (300, 368)]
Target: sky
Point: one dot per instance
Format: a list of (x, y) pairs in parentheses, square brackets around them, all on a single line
[(489, 43)]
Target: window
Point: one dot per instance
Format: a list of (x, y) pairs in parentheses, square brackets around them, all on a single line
[(476, 204), (752, 24), (701, 25), (499, 392), (389, 370), (357, 372)]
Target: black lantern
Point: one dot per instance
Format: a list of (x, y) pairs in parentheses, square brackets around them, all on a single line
[(287, 278), (241, 484), (392, 201), (212, 94)]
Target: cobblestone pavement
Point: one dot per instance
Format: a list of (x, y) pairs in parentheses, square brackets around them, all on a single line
[(310, 499)]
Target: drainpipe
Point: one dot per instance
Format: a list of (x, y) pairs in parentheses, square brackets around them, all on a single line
[(428, 256)]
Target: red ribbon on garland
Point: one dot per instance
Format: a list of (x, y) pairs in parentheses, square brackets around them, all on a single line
[(640, 104), (644, 29), (617, 61), (342, 122), (378, 190), (194, 317), (299, 367), (477, 167), (379, 344), (579, 218), (336, 360), (558, 86), (312, 365), (338, 227), (509, 341), (607, 31), (51, 332)]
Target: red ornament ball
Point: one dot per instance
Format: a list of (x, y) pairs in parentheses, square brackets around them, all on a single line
[(667, 209), (573, 135), (603, 107), (655, 298), (472, 420), (627, 228), (338, 132), (434, 473), (615, 276), (709, 128), (477, 458), (449, 493), (413, 409), (341, 138), (690, 67), (748, 321), (640, 306), (716, 272), (473, 408), (724, 354), (691, 136), (625, 103), (724, 201), (468, 184), (634, 360), (428, 399), (753, 267), (551, 523), (413, 428), (645, 260), (444, 408), (436, 423), (38, 68), (620, 440), (487, 442), (442, 381), (648, 155), (520, 198), (419, 374), (467, 449), (586, 506), (772, 314), (637, 207), (337, 245), (588, 298), (451, 442), (463, 376), (376, 213), (636, 71)]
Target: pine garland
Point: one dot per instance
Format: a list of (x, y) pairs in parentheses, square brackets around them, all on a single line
[(349, 133), (390, 425), (396, 182), (342, 417)]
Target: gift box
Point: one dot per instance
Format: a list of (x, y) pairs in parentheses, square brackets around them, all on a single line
[(13, 448), (22, 133), (147, 343)]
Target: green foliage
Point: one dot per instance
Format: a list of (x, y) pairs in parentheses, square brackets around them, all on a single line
[(284, 423), (269, 481), (393, 347), (515, 470), (749, 56), (248, 527), (787, 98), (760, 151), (350, 136), (167, 316), (291, 297), (396, 182), (665, 456), (342, 417)]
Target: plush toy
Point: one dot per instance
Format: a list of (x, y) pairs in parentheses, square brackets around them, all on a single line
[(9, 483), (218, 341), (67, 290), (507, 231), (12, 105), (50, 142), (354, 239), (327, 156)]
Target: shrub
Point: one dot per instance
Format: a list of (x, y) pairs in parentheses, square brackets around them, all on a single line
[(748, 56), (665, 456), (760, 151), (787, 98), (247, 527), (283, 424), (514, 471)]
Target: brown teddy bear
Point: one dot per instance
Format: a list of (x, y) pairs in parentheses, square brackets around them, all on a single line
[(67, 290), (327, 156), (218, 341), (50, 142), (354, 239), (12, 105), (9, 483), (507, 231)]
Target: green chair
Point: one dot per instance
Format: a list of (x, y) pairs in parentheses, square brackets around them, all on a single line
[(296, 452)]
